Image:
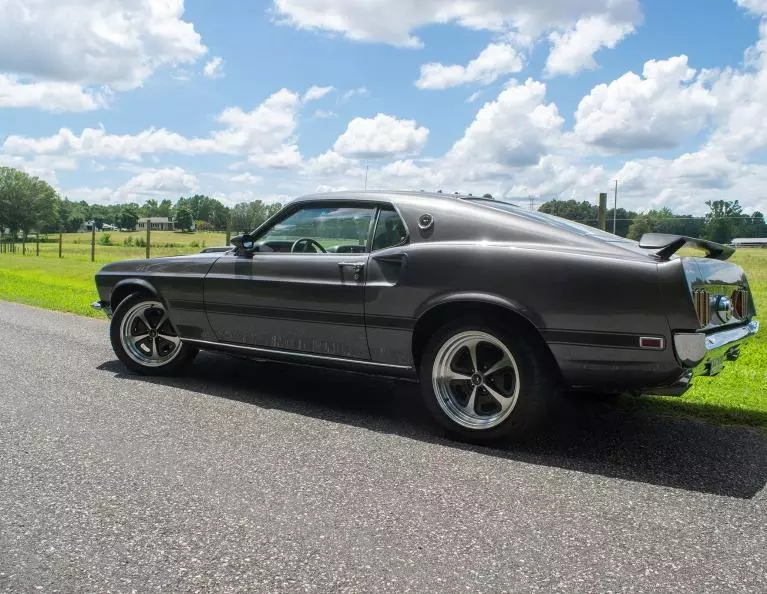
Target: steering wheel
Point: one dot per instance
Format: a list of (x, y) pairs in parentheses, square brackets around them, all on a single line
[(308, 241)]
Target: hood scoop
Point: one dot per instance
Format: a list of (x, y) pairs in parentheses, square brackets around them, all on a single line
[(666, 245)]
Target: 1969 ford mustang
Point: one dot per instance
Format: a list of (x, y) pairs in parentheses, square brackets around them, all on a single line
[(495, 309)]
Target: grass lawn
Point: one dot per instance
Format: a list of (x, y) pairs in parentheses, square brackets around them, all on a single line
[(737, 396)]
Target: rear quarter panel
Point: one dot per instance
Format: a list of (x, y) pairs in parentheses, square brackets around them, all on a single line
[(590, 308)]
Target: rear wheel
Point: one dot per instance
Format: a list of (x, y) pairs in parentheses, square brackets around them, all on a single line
[(485, 382), (144, 339)]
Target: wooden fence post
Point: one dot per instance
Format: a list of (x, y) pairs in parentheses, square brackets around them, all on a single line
[(24, 244), (148, 237), (37, 243), (61, 236), (93, 242)]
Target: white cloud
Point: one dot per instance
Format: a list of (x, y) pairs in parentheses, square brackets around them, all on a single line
[(381, 136), (573, 50), (755, 6), (44, 167), (658, 110), (166, 181), (246, 178), (515, 130), (214, 67), (329, 163), (394, 21), (49, 96), (315, 93), (473, 97), (351, 93), (325, 114), (149, 183), (113, 43), (493, 62), (266, 135), (742, 109)]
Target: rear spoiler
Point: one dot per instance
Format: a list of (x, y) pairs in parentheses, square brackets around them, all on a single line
[(667, 245)]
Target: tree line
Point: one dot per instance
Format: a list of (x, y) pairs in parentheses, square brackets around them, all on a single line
[(724, 221), (30, 204)]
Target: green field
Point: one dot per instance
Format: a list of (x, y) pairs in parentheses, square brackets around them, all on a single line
[(737, 396), (77, 246)]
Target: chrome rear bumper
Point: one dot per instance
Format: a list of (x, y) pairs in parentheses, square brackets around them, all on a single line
[(701, 352), (705, 354)]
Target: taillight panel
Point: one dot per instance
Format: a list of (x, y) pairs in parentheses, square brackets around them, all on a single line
[(702, 302), (740, 303)]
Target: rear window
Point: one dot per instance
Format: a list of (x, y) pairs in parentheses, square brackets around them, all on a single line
[(552, 221)]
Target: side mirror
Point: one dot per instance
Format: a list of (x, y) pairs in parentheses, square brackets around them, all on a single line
[(243, 242)]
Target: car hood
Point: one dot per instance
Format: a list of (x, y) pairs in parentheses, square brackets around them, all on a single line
[(181, 263)]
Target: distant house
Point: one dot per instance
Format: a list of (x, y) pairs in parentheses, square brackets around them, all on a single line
[(749, 242), (155, 224)]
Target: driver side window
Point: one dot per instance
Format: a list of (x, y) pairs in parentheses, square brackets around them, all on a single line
[(319, 229)]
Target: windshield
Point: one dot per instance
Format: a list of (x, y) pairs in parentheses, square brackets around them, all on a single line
[(552, 220)]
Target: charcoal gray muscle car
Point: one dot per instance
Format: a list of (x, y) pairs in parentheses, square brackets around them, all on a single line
[(493, 308)]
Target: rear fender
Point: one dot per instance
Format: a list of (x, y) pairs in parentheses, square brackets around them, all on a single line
[(487, 298)]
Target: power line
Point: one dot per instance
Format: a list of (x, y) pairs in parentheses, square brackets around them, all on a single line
[(690, 218)]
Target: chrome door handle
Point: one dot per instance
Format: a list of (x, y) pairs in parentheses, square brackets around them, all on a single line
[(355, 266)]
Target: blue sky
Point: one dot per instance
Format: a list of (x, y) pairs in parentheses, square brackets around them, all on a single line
[(155, 99)]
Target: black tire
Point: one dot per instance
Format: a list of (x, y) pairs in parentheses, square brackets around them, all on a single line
[(536, 380), (182, 354)]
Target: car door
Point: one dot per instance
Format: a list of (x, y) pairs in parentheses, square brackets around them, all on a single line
[(389, 329), (291, 295)]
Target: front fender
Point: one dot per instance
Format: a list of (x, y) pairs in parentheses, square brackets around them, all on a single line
[(127, 286)]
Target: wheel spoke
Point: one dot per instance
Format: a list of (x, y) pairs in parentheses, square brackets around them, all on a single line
[(502, 364), (163, 319), (454, 376), (168, 338), (469, 408), (144, 321), (473, 354), (139, 338), (500, 398)]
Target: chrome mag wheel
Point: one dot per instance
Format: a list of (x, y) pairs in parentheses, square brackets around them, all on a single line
[(476, 380), (147, 335)]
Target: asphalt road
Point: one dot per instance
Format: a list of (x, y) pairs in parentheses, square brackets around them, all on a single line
[(245, 476)]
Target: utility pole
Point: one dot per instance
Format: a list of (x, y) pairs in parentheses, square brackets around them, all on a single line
[(615, 209), (366, 176), (602, 210)]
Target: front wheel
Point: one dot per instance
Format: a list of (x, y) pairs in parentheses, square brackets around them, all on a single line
[(144, 339), (485, 382)]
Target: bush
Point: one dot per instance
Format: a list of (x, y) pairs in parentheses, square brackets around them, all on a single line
[(128, 241), (195, 244), (105, 239), (140, 242)]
